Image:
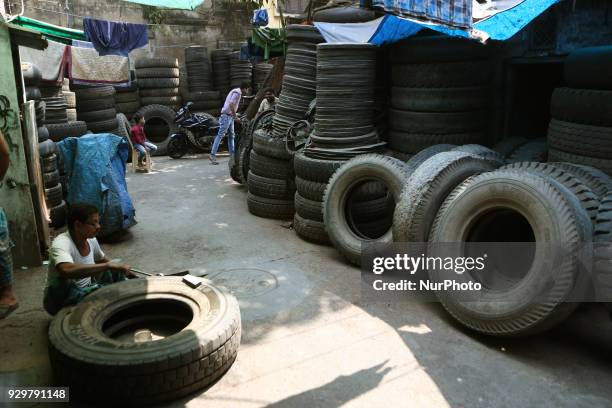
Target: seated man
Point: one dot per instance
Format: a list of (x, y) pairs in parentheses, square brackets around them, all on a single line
[(139, 139), (268, 102), (77, 265)]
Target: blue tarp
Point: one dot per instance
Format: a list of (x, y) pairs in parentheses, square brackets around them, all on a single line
[(389, 29), (175, 4), (95, 166), (454, 13)]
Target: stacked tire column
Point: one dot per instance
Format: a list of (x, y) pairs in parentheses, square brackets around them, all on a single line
[(200, 81), (96, 107), (127, 99), (581, 127), (240, 71), (440, 93), (158, 82), (260, 73), (299, 81), (221, 70)]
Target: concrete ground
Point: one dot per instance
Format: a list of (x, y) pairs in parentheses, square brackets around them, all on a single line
[(308, 340)]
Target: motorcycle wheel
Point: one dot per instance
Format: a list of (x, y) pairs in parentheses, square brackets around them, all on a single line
[(177, 148)]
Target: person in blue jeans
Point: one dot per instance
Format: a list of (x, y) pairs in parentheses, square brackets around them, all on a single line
[(226, 121), (8, 300)]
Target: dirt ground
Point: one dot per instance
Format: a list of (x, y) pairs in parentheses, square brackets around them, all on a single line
[(308, 340)]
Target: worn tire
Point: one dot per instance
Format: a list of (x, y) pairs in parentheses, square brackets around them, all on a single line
[(159, 92), (308, 209), (447, 75), (95, 105), (587, 140), (71, 129), (602, 262), (104, 126), (427, 188), (58, 215), (311, 190), (535, 302), (156, 63), (598, 181), (312, 169), (437, 48), (54, 195), (157, 73), (160, 100), (43, 134), (310, 230), (98, 116), (270, 207), (437, 123), (585, 106), (158, 83), (439, 99), (94, 94), (265, 144), (413, 143), (51, 179), (160, 125), (415, 161), (269, 167), (150, 372), (604, 165), (342, 233), (535, 151), (280, 189), (48, 164), (509, 145)]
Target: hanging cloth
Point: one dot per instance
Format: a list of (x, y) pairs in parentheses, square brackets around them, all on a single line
[(115, 38)]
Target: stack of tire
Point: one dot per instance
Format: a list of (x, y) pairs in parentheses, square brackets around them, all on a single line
[(96, 107), (344, 127), (158, 82), (240, 70), (299, 81), (70, 99), (271, 180), (221, 70), (127, 99), (31, 77), (441, 88), (581, 127), (239, 163), (55, 105), (199, 76), (260, 73)]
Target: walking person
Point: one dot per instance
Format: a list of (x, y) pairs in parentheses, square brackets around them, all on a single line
[(226, 121), (139, 139), (8, 300)]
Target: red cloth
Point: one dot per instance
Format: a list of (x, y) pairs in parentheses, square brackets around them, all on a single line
[(138, 135)]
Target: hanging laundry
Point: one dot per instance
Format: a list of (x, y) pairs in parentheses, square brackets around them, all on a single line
[(115, 38), (52, 61), (89, 68)]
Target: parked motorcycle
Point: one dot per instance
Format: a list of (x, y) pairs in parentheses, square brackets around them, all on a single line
[(196, 132)]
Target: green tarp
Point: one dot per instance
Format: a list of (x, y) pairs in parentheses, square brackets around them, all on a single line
[(61, 34), (175, 4), (272, 40)]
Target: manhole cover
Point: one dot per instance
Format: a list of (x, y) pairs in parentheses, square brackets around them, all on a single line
[(246, 283)]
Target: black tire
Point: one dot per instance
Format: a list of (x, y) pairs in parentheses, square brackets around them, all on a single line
[(269, 167), (312, 169), (54, 195), (128, 107), (602, 264), (43, 134), (123, 129), (534, 151), (413, 143), (270, 208), (71, 129), (151, 372), (589, 68), (51, 179), (159, 92), (157, 73), (160, 100), (159, 125), (415, 161), (509, 145), (437, 48), (585, 106), (94, 94), (244, 159), (280, 189), (127, 97), (48, 164), (586, 140), (344, 15), (46, 148), (177, 148), (58, 215), (476, 209), (98, 116), (604, 165), (428, 187), (598, 181), (310, 230), (342, 232), (437, 123), (95, 105), (104, 126), (588, 199), (156, 63), (311, 190), (158, 83), (265, 144), (439, 99), (481, 151), (308, 209), (448, 75)]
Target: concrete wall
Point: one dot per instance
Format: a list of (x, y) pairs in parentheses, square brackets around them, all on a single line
[(211, 25)]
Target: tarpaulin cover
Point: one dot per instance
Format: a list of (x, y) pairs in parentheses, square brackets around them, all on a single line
[(454, 13), (95, 166), (272, 40), (499, 26), (176, 4), (61, 34)]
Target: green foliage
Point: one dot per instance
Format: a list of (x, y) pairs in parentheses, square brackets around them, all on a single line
[(154, 15)]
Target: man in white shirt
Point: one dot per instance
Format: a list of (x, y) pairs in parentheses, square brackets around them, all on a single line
[(268, 102), (77, 264)]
